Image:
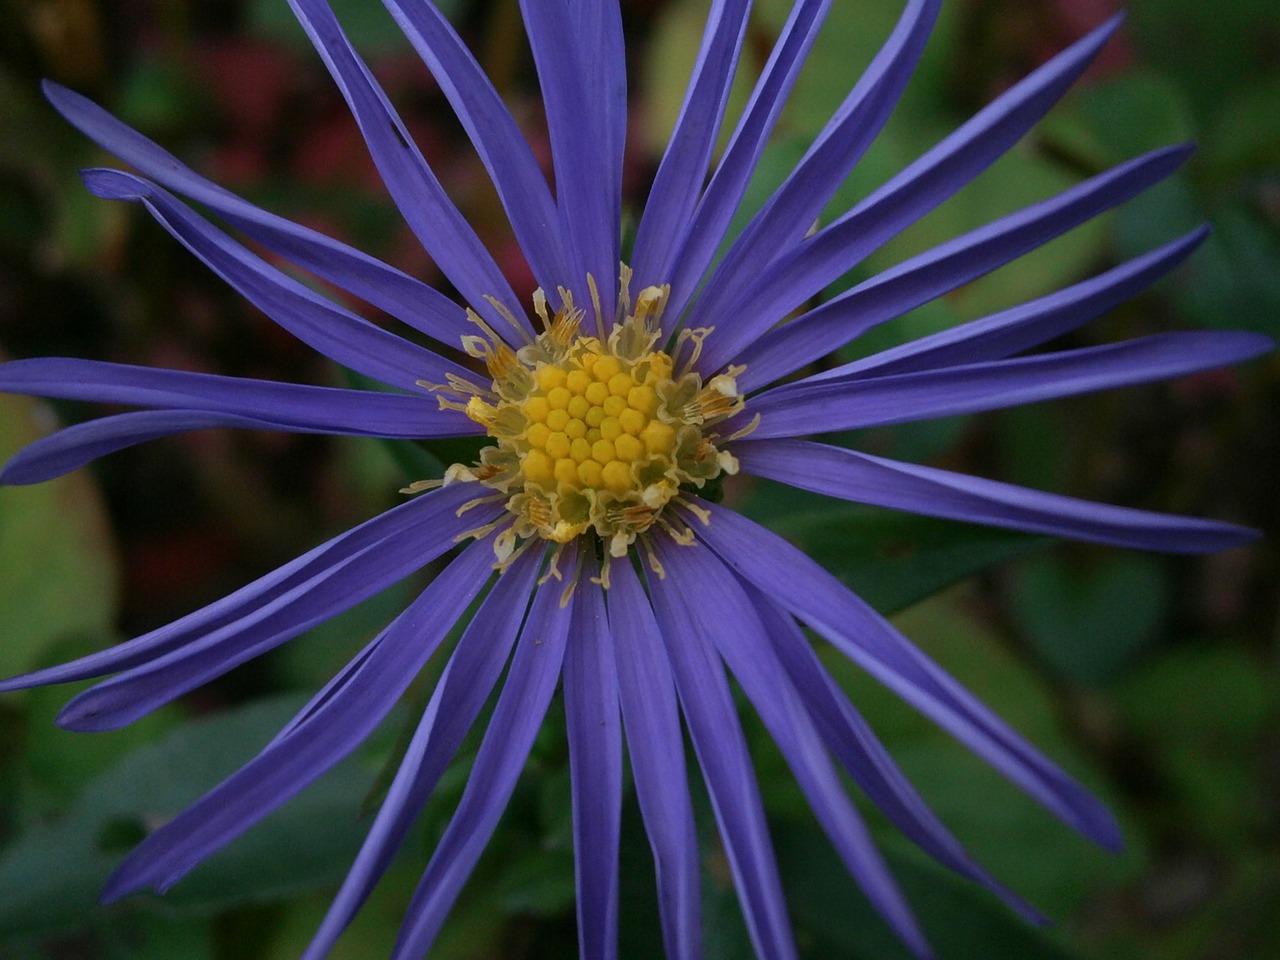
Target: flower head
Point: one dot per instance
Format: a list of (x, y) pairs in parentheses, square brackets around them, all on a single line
[(615, 404)]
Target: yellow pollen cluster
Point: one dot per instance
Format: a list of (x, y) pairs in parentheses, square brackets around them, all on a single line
[(591, 425), (593, 433)]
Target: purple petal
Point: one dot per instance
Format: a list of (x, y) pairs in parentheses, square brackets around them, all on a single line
[(581, 150), (838, 472), (460, 694), (293, 597), (850, 403), (327, 409), (602, 58), (709, 600), (335, 332), (405, 298), (196, 401), (439, 226), (954, 162), (935, 272), (726, 766), (850, 738), (1030, 324), (74, 447), (680, 176), (126, 697), (697, 242), (495, 135), (336, 725), (804, 589), (531, 681), (656, 747), (595, 768), (789, 213)]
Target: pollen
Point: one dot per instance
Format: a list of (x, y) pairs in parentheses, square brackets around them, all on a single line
[(595, 435)]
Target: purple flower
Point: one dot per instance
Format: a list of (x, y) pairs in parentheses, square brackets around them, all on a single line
[(611, 406)]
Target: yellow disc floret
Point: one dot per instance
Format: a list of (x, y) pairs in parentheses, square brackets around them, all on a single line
[(595, 433)]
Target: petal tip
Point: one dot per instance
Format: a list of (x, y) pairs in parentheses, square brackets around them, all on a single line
[(108, 184)]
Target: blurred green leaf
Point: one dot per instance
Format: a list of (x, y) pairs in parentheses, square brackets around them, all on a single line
[(50, 876), (960, 920), (1088, 617), (155, 937), (1210, 49), (1201, 713), (1108, 122), (59, 763), (1245, 134), (1234, 281), (535, 881), (995, 821), (54, 544), (890, 559)]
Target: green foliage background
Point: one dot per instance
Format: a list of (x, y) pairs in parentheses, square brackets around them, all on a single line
[(1153, 678)]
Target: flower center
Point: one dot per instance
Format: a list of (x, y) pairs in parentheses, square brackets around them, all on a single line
[(595, 433), (591, 423)]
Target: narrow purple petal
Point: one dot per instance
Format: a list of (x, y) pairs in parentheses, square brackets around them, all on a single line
[(935, 176), (602, 56), (697, 242), (1030, 324), (405, 298), (328, 409), (457, 700), (137, 691), (595, 768), (531, 681), (589, 208), (439, 226), (678, 182), (789, 213), (336, 726), (851, 403), (710, 598), (726, 765), (807, 591), (76, 446), (656, 748), (495, 135), (337, 333), (197, 401), (933, 273), (850, 738), (850, 475), (429, 521)]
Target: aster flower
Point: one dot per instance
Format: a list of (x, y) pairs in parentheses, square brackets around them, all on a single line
[(615, 404)]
